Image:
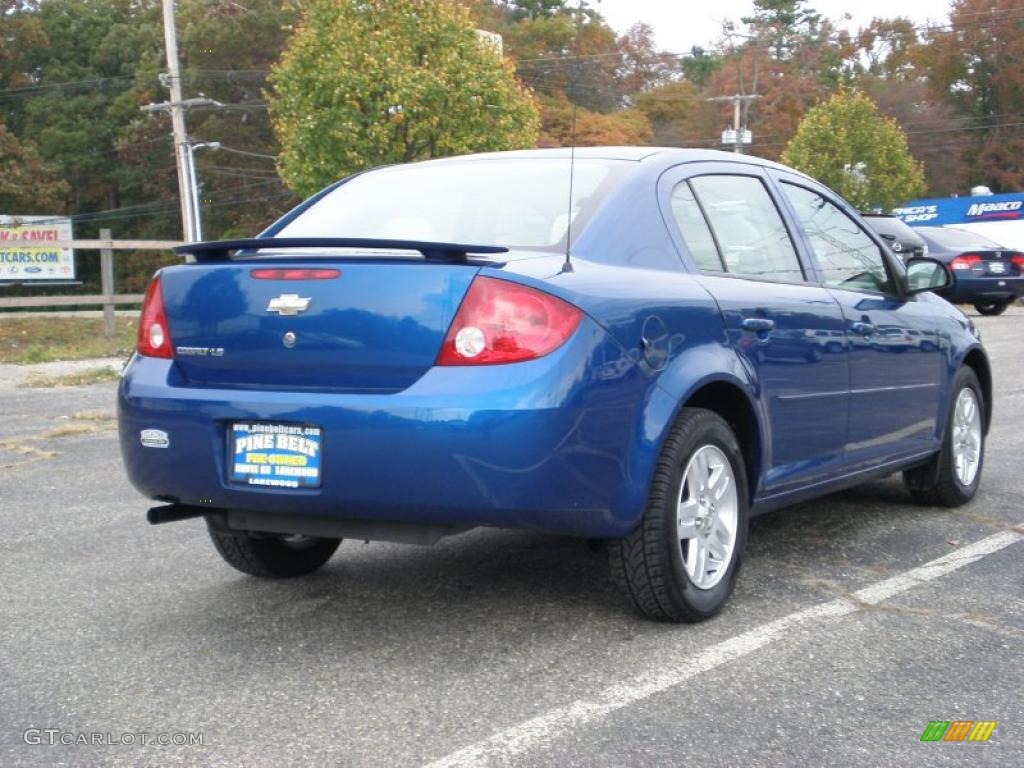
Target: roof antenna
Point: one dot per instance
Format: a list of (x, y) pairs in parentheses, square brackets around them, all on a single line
[(567, 264)]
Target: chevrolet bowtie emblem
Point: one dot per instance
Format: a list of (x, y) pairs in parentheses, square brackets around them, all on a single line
[(288, 304)]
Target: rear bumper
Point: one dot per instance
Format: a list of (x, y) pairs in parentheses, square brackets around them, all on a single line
[(971, 289), (554, 444)]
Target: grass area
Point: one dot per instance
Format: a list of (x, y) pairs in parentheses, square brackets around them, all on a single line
[(91, 376), (26, 339)]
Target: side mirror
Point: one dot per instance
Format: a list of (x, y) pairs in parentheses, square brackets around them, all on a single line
[(925, 274)]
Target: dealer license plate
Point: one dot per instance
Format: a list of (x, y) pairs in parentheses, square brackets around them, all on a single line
[(275, 455)]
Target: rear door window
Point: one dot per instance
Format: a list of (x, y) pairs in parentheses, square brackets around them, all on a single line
[(749, 229), (694, 229)]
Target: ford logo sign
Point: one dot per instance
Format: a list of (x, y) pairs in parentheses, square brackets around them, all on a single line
[(33, 269)]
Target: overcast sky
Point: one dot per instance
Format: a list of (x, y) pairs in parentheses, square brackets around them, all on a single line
[(680, 24)]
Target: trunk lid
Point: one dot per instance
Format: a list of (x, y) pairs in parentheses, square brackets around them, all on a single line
[(376, 327), (993, 263)]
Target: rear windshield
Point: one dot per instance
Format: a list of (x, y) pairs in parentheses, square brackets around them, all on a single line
[(519, 203), (947, 237)]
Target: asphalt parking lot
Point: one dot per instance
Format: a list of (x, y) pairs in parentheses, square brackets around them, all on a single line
[(857, 620)]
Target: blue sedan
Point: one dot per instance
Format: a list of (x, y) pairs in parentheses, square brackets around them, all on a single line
[(646, 346)]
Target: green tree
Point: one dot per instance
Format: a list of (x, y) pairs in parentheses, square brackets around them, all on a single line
[(846, 144), (78, 61), (783, 24), (533, 9), (700, 65), (363, 83)]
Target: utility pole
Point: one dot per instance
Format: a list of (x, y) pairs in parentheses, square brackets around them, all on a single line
[(177, 111), (183, 147), (738, 135), (177, 106)]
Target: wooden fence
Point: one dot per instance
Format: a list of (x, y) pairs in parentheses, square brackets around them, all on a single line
[(108, 298)]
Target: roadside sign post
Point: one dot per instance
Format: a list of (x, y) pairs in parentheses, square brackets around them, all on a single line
[(107, 283)]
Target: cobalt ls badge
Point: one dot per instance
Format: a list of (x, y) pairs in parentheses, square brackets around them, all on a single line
[(200, 351), (288, 304), (154, 438)]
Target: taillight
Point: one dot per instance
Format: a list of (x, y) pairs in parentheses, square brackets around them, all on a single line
[(503, 322), (295, 274), (965, 261), (154, 337), (1018, 261)]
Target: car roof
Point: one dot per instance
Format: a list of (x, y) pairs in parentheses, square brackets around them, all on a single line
[(667, 156)]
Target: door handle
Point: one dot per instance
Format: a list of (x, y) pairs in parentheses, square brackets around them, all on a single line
[(863, 328), (757, 324)]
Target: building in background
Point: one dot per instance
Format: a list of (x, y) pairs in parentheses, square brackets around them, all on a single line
[(998, 217)]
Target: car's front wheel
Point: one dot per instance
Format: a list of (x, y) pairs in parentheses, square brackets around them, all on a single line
[(681, 562), (991, 307), (272, 555), (952, 476)]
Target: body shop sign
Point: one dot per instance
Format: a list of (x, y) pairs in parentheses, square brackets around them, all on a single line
[(28, 250)]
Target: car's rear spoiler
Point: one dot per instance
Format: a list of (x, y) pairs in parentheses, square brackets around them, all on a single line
[(220, 250)]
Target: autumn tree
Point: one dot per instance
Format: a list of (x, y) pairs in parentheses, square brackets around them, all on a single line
[(679, 115), (27, 184), (570, 52), (847, 145), (642, 66), (362, 84), (973, 64), (565, 124), (886, 68), (790, 58)]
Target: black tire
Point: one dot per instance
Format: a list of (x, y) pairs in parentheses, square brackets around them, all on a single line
[(270, 555), (649, 564), (937, 484), (991, 307)]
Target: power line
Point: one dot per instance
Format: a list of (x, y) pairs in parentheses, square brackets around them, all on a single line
[(72, 83), (169, 202), (246, 153)]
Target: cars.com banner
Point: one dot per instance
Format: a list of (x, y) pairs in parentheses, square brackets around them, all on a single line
[(947, 211), (28, 252)]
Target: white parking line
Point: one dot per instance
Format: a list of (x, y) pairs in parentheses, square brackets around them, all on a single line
[(505, 745)]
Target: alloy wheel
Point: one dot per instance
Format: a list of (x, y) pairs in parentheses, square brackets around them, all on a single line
[(706, 519)]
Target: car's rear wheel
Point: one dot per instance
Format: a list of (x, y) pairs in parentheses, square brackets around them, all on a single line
[(681, 562), (273, 556), (952, 476), (991, 307)]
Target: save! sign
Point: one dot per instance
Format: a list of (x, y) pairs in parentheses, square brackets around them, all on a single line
[(28, 250)]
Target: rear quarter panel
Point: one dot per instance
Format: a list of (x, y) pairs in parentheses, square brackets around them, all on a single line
[(664, 320)]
